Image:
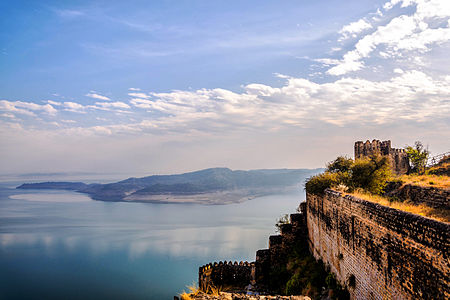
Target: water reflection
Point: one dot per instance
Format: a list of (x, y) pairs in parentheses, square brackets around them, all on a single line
[(52, 197), (56, 236)]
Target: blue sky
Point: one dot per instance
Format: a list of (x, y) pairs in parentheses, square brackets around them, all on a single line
[(169, 86)]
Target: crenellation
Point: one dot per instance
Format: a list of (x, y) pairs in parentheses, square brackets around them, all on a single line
[(275, 240), (232, 275), (398, 157), (375, 251)]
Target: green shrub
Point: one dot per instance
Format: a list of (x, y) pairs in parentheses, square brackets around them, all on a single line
[(369, 174), (418, 156), (317, 184), (340, 164), (307, 274)]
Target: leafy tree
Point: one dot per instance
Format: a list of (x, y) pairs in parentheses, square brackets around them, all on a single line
[(317, 184), (418, 157), (340, 164), (370, 174)]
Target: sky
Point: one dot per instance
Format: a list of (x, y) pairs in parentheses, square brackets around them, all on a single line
[(158, 87)]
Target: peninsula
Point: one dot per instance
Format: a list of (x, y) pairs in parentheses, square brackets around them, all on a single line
[(209, 186)]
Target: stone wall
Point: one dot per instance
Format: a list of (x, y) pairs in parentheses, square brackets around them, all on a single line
[(379, 252), (431, 196), (270, 261), (232, 276), (398, 157)]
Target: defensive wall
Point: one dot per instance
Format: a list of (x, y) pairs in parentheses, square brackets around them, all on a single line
[(398, 157), (379, 252), (431, 196), (260, 274), (233, 276)]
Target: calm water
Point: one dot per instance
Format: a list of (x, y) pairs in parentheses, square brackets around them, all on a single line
[(63, 245)]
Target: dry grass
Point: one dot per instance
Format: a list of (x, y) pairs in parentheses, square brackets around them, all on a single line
[(193, 291), (441, 181), (442, 215)]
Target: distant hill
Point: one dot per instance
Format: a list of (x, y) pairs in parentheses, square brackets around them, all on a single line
[(209, 186)]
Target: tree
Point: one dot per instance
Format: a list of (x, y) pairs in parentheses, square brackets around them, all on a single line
[(340, 164), (418, 157), (371, 174)]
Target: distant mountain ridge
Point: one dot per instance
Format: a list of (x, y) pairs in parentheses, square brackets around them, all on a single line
[(221, 183)]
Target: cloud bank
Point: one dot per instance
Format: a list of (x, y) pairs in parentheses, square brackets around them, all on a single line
[(385, 80)]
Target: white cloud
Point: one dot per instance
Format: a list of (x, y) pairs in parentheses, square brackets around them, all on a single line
[(352, 29), (141, 103), (299, 103), (74, 107), (26, 108), (68, 121), (429, 25), (111, 105), (95, 95), (134, 89), (55, 103)]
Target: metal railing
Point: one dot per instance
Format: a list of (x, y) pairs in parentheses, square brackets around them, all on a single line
[(432, 161)]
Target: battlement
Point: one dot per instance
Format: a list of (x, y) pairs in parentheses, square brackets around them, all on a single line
[(398, 157), (230, 275), (237, 276)]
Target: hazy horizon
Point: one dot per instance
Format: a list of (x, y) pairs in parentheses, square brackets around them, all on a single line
[(166, 87)]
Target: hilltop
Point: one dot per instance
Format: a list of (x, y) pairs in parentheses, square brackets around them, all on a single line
[(209, 186)]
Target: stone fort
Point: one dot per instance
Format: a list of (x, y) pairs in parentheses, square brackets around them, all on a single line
[(398, 157), (385, 253)]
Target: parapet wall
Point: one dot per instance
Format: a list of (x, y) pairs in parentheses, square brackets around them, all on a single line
[(379, 252), (431, 196), (270, 261), (233, 276)]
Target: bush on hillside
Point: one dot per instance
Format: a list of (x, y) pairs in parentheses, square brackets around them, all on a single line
[(369, 174), (317, 184), (340, 164), (418, 156)]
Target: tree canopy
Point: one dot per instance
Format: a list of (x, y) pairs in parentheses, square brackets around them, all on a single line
[(418, 157)]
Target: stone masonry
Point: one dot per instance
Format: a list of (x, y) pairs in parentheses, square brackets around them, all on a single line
[(398, 157), (379, 252)]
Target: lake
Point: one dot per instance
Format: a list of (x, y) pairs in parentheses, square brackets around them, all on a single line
[(63, 245)]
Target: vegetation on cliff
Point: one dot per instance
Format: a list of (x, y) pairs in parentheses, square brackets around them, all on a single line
[(418, 157), (369, 174), (367, 179), (304, 275)]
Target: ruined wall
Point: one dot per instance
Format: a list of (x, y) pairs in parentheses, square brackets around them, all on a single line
[(431, 196), (379, 252), (398, 157), (233, 276), (269, 262)]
